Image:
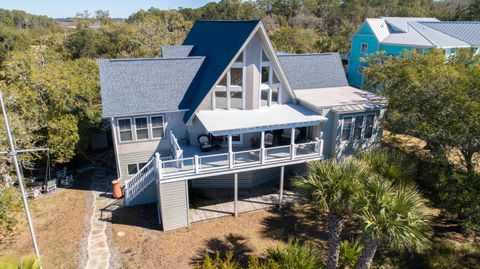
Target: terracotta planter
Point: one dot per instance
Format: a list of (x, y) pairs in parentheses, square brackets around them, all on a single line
[(116, 189)]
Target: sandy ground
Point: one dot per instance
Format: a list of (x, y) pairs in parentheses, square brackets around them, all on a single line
[(60, 221), (249, 234)]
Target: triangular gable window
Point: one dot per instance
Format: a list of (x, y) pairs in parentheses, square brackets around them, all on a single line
[(239, 58), (264, 57), (275, 79)]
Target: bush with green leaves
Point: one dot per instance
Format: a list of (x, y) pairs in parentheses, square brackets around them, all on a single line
[(350, 252), (11, 262), (10, 205), (458, 193), (296, 255)]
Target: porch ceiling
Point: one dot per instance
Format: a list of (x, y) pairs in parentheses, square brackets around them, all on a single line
[(225, 122)]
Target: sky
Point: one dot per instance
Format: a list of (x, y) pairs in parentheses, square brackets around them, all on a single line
[(117, 8)]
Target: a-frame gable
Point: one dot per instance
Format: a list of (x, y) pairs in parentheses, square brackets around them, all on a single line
[(268, 47)]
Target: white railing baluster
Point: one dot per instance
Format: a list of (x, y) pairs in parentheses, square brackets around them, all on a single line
[(197, 164)]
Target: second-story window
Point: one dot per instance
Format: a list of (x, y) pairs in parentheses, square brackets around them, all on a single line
[(157, 126), (364, 47), (125, 129), (229, 92), (141, 128), (270, 84)]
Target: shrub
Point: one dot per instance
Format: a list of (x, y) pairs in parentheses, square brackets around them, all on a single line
[(350, 253), (295, 256), (11, 262)]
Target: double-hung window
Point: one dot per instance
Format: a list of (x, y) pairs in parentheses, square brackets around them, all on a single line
[(141, 128), (346, 128), (134, 168), (157, 126), (358, 127), (229, 92), (270, 84), (125, 129)]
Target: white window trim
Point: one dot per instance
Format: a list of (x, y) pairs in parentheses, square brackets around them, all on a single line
[(228, 87), (151, 126), (352, 129), (148, 128), (270, 85), (361, 47), (128, 172), (119, 131)]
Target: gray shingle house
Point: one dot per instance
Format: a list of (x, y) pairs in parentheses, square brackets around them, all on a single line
[(225, 110)]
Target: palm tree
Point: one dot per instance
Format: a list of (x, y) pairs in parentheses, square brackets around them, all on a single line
[(333, 187), (392, 215)]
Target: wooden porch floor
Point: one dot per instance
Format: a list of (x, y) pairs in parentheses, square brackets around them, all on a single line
[(248, 200)]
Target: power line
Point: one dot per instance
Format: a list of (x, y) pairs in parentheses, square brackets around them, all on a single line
[(14, 153)]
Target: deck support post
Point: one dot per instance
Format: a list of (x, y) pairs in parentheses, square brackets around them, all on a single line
[(230, 151), (280, 196), (188, 202), (292, 144), (262, 147), (235, 194), (158, 167)]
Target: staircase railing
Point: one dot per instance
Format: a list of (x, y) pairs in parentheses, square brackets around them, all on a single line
[(140, 181)]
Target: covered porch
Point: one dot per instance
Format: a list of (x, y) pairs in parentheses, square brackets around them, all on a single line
[(282, 133)]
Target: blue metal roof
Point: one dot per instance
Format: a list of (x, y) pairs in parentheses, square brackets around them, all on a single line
[(309, 71), (218, 42)]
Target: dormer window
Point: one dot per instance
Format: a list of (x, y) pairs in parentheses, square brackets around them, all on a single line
[(229, 92)]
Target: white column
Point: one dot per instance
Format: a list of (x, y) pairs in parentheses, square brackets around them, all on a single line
[(292, 144), (230, 151), (197, 164), (235, 194), (262, 147), (280, 196)]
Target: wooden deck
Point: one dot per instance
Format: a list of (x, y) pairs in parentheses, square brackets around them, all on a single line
[(248, 200)]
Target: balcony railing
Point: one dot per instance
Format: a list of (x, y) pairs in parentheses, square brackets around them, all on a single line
[(209, 164), (200, 164)]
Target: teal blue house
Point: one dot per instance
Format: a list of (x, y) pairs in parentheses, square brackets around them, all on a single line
[(396, 34)]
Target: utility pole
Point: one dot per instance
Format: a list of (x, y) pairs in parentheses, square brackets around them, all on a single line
[(14, 155)]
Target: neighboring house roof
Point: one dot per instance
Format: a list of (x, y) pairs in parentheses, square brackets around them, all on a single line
[(401, 23), (140, 86), (379, 28), (218, 42), (236, 121), (425, 32), (466, 31), (306, 71), (176, 51)]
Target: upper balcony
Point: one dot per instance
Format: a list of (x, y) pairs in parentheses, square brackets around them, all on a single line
[(275, 141)]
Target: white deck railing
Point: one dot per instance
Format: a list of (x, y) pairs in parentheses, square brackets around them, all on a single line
[(211, 163), (140, 181), (177, 151), (224, 161)]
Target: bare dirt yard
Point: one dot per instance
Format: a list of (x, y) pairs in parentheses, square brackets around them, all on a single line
[(60, 221), (142, 243)]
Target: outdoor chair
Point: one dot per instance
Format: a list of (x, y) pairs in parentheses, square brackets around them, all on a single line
[(268, 140), (287, 134), (33, 193), (50, 186), (67, 181), (205, 144)]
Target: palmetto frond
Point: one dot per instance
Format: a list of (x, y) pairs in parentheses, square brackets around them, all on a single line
[(394, 215), (332, 185)]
